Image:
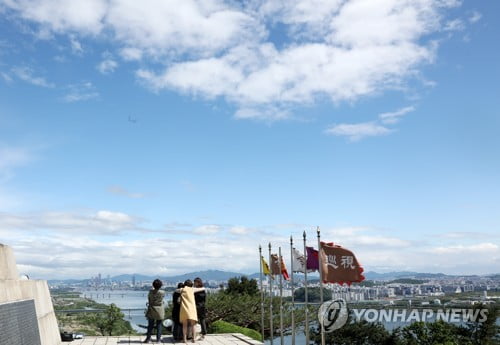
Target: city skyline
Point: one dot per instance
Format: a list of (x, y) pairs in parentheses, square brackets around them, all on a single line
[(174, 136)]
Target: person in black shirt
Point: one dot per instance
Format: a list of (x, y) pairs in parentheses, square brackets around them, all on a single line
[(176, 303), (200, 298)]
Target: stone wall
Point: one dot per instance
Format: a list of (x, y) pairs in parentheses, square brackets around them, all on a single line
[(13, 291)]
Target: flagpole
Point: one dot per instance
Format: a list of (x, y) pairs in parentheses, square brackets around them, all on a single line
[(293, 298), (261, 295), (320, 284), (271, 331), (281, 296), (305, 291)]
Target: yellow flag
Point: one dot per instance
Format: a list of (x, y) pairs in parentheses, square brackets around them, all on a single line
[(265, 267)]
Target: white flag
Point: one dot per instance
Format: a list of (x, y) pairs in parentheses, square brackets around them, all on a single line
[(299, 262)]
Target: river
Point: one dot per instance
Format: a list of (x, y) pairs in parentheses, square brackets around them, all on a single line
[(133, 304)]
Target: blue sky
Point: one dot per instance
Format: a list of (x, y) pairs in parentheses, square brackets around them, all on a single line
[(169, 136)]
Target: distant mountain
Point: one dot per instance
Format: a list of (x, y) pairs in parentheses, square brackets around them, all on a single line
[(403, 274), (205, 275), (432, 275), (218, 275), (129, 277), (253, 276), (65, 281), (386, 276)]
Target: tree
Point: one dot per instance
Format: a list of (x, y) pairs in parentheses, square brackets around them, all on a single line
[(487, 331), (357, 333), (239, 309), (313, 294), (245, 310), (433, 333), (111, 321), (242, 286)]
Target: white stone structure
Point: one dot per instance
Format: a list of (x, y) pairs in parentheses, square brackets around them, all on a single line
[(13, 289)]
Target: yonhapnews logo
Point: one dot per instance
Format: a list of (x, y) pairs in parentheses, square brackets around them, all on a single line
[(333, 315), (453, 315)]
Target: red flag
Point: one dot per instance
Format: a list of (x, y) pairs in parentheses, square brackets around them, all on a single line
[(339, 265), (284, 271)]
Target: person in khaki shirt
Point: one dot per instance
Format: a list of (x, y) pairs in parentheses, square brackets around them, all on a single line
[(156, 311)]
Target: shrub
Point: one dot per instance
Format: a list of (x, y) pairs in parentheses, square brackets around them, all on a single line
[(226, 327)]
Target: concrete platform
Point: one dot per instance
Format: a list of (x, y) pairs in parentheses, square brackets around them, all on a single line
[(210, 339)]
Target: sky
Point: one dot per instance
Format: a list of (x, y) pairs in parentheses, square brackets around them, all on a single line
[(164, 137)]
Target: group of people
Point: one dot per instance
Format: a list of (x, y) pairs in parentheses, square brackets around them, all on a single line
[(188, 309)]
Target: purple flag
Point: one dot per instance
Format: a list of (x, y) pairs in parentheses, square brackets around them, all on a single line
[(312, 259)]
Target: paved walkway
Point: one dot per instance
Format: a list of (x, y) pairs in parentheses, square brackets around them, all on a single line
[(210, 339)]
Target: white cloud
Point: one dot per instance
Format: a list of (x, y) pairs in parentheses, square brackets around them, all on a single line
[(102, 222), (207, 229), (394, 116), (27, 74), (8, 200), (475, 17), (469, 235), (60, 58), (83, 16), (306, 19), (82, 240), (57, 257), (118, 190), (468, 249), (362, 237), (131, 54), (355, 132), (338, 50), (81, 92), (454, 25), (358, 131), (380, 241), (261, 75), (114, 219), (269, 113), (239, 230), (6, 77), (107, 66), (12, 157), (177, 27), (76, 46)]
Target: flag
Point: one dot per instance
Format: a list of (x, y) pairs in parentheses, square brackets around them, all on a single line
[(339, 265), (265, 267), (284, 271), (275, 265), (299, 261), (312, 259)]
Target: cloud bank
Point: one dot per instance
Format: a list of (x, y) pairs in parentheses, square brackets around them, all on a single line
[(81, 244), (263, 57)]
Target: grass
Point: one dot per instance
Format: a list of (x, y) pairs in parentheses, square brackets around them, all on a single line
[(226, 327)]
